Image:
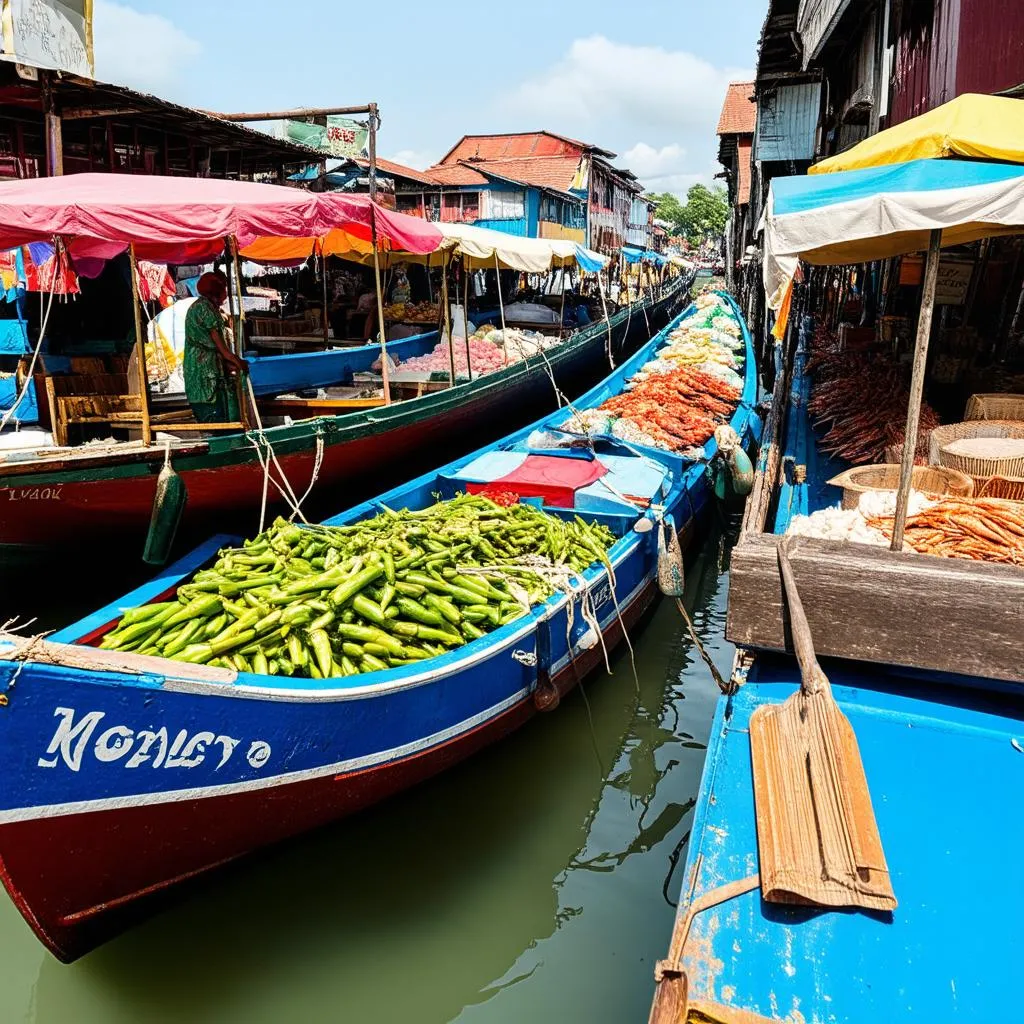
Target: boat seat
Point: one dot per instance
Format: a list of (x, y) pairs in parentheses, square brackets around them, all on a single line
[(625, 476)]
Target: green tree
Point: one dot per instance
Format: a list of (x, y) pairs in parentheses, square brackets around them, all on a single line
[(705, 213), (669, 208)]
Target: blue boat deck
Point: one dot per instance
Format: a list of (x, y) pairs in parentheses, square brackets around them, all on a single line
[(945, 767), (944, 761)]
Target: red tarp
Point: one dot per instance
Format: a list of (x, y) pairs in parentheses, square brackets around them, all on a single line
[(554, 478), (185, 220)]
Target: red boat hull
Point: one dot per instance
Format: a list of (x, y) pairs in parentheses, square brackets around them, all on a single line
[(81, 878)]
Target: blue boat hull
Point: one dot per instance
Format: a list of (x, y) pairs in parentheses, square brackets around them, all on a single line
[(120, 784)]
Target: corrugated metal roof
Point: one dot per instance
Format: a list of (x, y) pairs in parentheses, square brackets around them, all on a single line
[(555, 172), (398, 170), (454, 174), (520, 144), (739, 112)]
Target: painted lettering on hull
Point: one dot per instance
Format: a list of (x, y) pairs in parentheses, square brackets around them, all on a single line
[(33, 493), (79, 738)]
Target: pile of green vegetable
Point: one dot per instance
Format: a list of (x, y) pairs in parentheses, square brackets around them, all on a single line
[(326, 601)]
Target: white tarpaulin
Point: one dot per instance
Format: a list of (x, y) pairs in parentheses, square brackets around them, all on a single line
[(878, 212)]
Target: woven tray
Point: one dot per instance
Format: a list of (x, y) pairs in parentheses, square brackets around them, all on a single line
[(985, 456), (941, 436), (995, 407), (934, 480), (1009, 487)]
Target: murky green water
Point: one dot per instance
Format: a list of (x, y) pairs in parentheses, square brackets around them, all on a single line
[(533, 883)]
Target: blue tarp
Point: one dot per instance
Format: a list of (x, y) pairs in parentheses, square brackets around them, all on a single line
[(589, 261)]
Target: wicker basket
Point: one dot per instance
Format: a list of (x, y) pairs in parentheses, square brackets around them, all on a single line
[(995, 407), (1009, 487), (941, 436), (886, 477)]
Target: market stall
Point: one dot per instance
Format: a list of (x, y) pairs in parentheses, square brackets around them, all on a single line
[(925, 419)]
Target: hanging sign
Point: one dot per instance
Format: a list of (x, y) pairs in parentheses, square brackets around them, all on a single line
[(953, 282), (339, 137), (54, 34)]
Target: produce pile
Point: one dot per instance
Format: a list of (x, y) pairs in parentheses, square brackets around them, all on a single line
[(331, 601), (674, 402), (413, 312), (484, 357), (859, 402), (985, 529), (489, 350)]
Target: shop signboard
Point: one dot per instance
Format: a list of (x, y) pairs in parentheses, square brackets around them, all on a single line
[(52, 34), (339, 137)]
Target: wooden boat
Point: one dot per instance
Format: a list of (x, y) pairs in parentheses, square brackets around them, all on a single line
[(83, 496), (126, 777)]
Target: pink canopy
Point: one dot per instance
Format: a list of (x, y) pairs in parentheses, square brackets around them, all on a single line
[(185, 220)]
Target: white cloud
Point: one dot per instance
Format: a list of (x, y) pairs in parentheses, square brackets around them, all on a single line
[(598, 80), (417, 159), (610, 93), (145, 51)]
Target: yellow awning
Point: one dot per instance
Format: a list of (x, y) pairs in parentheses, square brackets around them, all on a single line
[(983, 127)]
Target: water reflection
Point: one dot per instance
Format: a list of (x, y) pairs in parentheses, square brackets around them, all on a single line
[(529, 882)]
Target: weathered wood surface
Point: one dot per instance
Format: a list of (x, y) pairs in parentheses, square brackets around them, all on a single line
[(871, 604), (755, 514)]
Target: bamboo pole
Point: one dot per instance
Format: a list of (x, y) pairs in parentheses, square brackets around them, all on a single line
[(140, 349), (924, 330), (501, 307), (446, 321), (385, 367)]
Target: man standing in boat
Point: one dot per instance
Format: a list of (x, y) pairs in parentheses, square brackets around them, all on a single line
[(209, 364)]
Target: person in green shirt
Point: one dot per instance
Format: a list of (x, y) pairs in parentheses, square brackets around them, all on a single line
[(209, 365)]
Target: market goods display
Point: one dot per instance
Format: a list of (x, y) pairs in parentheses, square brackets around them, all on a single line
[(332, 601), (985, 529), (675, 401), (489, 350), (859, 402), (413, 312)]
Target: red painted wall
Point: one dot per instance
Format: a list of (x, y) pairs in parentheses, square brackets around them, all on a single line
[(966, 46)]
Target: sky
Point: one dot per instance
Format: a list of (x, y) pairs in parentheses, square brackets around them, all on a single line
[(644, 79)]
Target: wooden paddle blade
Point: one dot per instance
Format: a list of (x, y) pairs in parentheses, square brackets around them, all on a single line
[(817, 838)]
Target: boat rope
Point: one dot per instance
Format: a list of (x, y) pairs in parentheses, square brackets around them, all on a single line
[(608, 323), (727, 688), (286, 492), (58, 259)]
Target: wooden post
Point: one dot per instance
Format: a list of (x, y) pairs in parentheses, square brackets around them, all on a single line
[(465, 315), (371, 145), (323, 273), (52, 129), (924, 330), (385, 367), (446, 321), (239, 330), (501, 307), (140, 349)]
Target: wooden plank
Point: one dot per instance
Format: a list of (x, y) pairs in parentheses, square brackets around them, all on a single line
[(872, 604)]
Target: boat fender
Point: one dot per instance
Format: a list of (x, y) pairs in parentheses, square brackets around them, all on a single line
[(736, 477), (671, 574), (545, 695), (168, 507)]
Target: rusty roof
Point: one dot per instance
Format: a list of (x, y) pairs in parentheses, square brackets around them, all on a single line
[(395, 170), (739, 112), (455, 174), (518, 144)]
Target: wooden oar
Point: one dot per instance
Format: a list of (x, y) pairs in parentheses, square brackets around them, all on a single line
[(818, 841)]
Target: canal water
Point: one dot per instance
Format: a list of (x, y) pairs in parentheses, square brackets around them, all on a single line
[(535, 882)]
